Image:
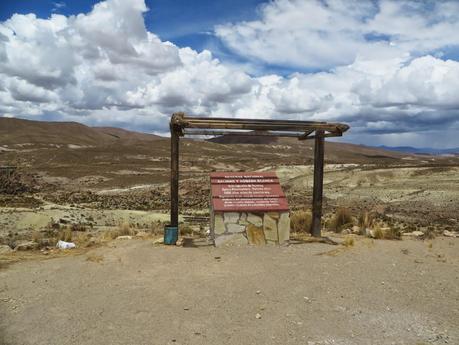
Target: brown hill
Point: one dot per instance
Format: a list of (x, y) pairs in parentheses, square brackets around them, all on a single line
[(244, 139), (335, 151), (25, 132), (79, 155)]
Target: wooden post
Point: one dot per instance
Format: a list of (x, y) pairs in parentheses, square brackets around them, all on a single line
[(174, 175), (318, 184)]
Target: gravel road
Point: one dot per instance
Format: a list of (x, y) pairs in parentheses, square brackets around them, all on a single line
[(131, 292)]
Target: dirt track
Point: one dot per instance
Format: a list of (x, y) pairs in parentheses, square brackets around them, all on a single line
[(377, 292)]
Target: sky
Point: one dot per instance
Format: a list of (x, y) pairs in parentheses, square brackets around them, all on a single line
[(389, 69)]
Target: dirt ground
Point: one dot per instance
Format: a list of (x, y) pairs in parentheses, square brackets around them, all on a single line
[(134, 292)]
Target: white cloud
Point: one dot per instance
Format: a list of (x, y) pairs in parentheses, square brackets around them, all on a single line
[(323, 34), (106, 68)]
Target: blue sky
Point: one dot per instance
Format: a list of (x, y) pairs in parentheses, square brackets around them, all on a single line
[(388, 68), (183, 22)]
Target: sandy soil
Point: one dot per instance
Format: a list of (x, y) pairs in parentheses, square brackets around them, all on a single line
[(376, 292)]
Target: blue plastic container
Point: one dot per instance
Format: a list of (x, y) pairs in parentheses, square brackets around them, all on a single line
[(170, 235)]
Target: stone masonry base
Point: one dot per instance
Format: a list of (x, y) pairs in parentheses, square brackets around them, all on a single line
[(250, 228)]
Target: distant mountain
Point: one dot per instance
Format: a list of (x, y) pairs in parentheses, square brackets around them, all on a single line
[(422, 150), (238, 138), (26, 132)]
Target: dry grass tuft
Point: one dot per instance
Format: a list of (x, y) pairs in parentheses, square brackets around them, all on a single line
[(429, 233), (65, 235), (348, 241), (157, 228), (378, 234), (386, 233), (300, 221), (366, 220), (123, 229), (341, 219), (393, 233), (185, 229)]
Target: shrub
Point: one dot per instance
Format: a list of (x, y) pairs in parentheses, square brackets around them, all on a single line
[(78, 227), (366, 220), (65, 235), (429, 233), (348, 241), (157, 227), (300, 221), (378, 233), (393, 234), (342, 218), (185, 229), (123, 229)]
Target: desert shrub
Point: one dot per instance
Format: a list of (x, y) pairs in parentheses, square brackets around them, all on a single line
[(378, 233), (342, 218), (429, 233), (157, 227), (78, 227), (185, 229), (12, 183), (300, 221), (393, 233), (348, 241), (387, 233), (65, 235), (123, 229), (366, 219)]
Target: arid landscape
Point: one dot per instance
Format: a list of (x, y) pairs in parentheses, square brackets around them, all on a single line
[(392, 272), (72, 176)]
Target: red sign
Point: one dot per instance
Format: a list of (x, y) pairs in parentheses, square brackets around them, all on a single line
[(241, 180), (243, 175), (247, 190), (255, 191), (252, 204)]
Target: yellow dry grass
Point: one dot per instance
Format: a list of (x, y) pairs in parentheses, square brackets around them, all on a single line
[(342, 218), (300, 221)]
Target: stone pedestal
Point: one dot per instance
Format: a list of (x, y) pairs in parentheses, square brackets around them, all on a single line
[(250, 228), (248, 208)]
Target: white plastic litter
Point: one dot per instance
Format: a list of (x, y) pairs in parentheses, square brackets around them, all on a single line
[(65, 245)]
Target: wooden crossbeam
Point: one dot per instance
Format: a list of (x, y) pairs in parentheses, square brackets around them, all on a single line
[(183, 121)]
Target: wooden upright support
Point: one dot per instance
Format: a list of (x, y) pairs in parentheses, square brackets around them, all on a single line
[(174, 175), (318, 184)]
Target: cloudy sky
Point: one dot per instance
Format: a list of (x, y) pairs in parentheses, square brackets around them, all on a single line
[(390, 69)]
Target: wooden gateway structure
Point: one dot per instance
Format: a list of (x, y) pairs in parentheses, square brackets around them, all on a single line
[(181, 125)]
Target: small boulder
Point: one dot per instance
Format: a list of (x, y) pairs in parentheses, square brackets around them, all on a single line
[(448, 233), (356, 229), (159, 241), (417, 234), (125, 237)]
